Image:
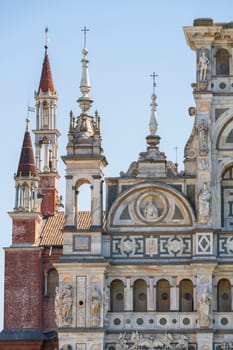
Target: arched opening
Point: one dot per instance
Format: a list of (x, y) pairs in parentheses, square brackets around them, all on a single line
[(222, 62), (139, 296), (117, 296), (186, 295), (83, 203), (227, 198), (45, 155), (163, 296), (52, 283), (224, 295)]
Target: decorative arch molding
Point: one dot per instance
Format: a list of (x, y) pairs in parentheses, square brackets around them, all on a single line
[(186, 277), (222, 130), (150, 205)]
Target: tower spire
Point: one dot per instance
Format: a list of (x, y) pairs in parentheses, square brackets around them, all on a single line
[(153, 125), (46, 80), (26, 165), (46, 137), (85, 101)]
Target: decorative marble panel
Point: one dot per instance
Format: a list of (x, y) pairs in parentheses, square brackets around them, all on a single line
[(225, 245), (204, 243), (131, 246), (81, 301), (152, 320)]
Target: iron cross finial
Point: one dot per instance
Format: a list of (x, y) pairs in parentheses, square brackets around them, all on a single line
[(85, 30), (153, 76)]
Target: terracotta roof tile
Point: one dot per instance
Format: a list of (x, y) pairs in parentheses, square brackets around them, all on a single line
[(52, 232), (26, 161), (46, 80)]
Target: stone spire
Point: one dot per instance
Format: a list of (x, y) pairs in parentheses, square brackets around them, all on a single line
[(153, 125), (152, 138), (152, 162), (85, 101), (84, 130)]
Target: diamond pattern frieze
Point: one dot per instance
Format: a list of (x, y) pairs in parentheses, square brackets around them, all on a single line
[(204, 243)]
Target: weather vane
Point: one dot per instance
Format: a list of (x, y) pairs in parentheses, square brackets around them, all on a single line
[(153, 76), (46, 37), (85, 30)]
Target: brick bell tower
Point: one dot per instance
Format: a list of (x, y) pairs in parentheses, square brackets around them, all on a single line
[(22, 292), (46, 138), (28, 309)]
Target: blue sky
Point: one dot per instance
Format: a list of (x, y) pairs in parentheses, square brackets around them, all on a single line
[(128, 41)]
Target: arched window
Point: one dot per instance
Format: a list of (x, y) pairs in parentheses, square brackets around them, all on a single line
[(163, 296), (222, 62), (227, 198), (52, 283), (117, 296), (224, 296), (186, 295), (139, 296)]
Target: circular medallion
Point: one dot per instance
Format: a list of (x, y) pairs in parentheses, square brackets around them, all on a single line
[(151, 207)]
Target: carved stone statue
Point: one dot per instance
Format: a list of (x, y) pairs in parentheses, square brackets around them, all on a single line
[(204, 307), (138, 341), (203, 138), (63, 305), (204, 204), (150, 211), (203, 66), (95, 307), (182, 343)]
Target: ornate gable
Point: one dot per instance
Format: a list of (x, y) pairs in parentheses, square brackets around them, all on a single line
[(149, 206)]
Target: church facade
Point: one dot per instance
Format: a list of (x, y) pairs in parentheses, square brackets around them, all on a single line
[(154, 269)]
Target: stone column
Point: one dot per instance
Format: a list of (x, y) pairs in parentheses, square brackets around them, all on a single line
[(150, 295), (96, 201), (128, 295), (70, 202), (174, 295)]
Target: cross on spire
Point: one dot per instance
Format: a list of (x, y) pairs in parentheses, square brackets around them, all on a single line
[(85, 30), (153, 76)]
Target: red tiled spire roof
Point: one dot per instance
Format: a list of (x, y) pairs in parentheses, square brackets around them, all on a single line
[(26, 161), (46, 80)]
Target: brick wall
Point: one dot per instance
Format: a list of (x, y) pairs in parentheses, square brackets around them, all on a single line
[(25, 230), (23, 288)]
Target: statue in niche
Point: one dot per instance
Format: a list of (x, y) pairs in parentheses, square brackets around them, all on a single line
[(203, 66), (204, 204), (63, 305), (95, 299), (204, 307), (203, 139), (151, 211)]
